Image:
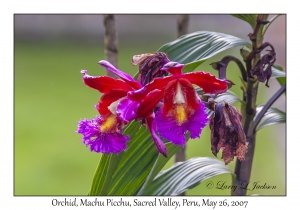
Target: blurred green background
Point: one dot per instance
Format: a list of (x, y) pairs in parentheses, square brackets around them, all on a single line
[(50, 98)]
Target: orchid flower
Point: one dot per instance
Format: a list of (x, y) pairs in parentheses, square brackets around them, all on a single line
[(104, 133), (182, 109)]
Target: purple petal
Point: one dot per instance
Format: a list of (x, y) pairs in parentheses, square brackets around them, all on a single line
[(110, 142), (127, 109), (88, 128), (170, 130), (197, 121), (160, 146)]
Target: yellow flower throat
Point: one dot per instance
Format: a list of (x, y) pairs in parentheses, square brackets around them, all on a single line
[(181, 115), (108, 124)]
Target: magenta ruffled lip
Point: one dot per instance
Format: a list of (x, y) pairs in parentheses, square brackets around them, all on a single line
[(111, 142), (108, 143), (169, 129)]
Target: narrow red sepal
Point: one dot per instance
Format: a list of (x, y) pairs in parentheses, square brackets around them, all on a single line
[(104, 83)]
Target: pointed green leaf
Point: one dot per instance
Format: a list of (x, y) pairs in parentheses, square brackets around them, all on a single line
[(249, 18), (107, 166), (244, 53), (279, 74), (271, 117), (267, 25), (194, 48), (229, 97), (159, 164), (185, 175), (135, 165), (192, 66), (103, 174)]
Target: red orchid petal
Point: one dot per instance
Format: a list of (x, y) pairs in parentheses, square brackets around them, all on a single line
[(209, 83), (135, 84), (160, 146), (177, 70), (107, 99), (124, 76), (189, 93), (104, 83), (157, 83), (148, 104), (169, 94)]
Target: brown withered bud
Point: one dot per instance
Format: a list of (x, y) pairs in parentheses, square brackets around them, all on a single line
[(263, 68), (150, 65), (227, 132)]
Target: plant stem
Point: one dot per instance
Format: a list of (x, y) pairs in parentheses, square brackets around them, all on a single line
[(182, 24), (111, 42), (221, 66), (243, 168)]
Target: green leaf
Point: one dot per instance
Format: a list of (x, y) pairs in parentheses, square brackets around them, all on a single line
[(279, 74), (194, 48), (244, 53), (107, 166), (192, 66), (271, 117), (185, 175), (229, 97), (267, 25), (249, 18), (135, 165), (159, 164), (103, 174)]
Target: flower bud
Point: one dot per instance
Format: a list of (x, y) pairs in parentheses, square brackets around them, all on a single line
[(150, 65)]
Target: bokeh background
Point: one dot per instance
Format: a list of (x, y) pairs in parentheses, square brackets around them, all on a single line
[(50, 98)]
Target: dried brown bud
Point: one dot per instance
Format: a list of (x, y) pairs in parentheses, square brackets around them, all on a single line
[(150, 65), (227, 133), (263, 68)]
